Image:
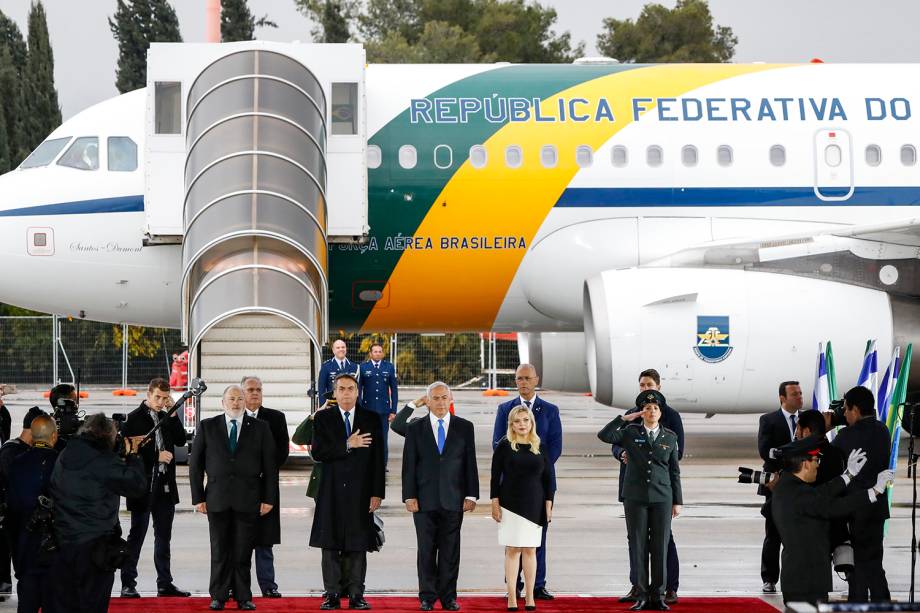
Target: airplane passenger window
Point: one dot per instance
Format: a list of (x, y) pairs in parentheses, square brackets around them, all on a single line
[(619, 156), (83, 154), (45, 153), (908, 155), (374, 157), (873, 155), (777, 155), (833, 155), (122, 154), (514, 157), (584, 156), (549, 156), (654, 156), (443, 156), (408, 157), (478, 156), (689, 156), (725, 155)]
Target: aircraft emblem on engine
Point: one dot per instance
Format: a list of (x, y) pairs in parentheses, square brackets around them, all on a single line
[(712, 338)]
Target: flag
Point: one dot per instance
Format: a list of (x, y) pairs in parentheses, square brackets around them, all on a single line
[(831, 376), (820, 398), (886, 386), (898, 396), (868, 374)]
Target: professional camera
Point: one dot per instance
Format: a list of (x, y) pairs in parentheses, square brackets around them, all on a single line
[(749, 475), (42, 522), (119, 420), (68, 417)]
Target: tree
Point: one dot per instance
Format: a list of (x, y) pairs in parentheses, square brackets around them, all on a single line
[(42, 111), (237, 22), (682, 34), (11, 104), (4, 145), (136, 24), (440, 43), (332, 18)]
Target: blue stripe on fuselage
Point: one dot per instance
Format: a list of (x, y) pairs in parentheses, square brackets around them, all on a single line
[(121, 204), (733, 196)]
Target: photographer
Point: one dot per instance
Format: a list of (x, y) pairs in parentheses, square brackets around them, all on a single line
[(802, 512), (86, 484), (29, 524), (65, 408)]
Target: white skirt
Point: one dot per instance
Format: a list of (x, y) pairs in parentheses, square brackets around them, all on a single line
[(517, 531)]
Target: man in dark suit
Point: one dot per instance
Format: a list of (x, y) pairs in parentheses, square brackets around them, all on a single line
[(867, 525), (162, 494), (649, 379), (776, 429), (440, 482), (379, 391), (332, 367), (346, 440), (269, 526), (803, 512), (238, 455), (549, 429)]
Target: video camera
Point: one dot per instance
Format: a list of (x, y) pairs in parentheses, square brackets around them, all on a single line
[(67, 417), (749, 475), (42, 522)]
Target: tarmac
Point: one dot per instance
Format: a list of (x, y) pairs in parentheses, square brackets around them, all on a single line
[(718, 536)]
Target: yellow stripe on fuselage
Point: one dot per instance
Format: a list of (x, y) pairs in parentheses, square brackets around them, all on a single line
[(454, 289)]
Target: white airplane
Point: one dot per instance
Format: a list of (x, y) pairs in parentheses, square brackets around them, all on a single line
[(715, 222)]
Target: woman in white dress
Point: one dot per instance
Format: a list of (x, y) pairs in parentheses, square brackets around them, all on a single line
[(522, 500)]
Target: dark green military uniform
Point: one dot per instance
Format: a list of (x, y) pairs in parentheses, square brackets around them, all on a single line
[(652, 486), (304, 436)]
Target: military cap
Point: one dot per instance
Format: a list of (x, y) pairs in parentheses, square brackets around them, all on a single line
[(32, 414), (808, 446), (346, 375), (649, 397)]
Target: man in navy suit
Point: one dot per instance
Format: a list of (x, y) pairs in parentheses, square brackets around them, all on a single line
[(331, 368), (776, 429), (549, 429), (379, 392)]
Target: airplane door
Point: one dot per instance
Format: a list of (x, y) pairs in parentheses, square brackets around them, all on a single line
[(833, 165)]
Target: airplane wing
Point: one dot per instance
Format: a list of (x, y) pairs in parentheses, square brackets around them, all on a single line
[(881, 256)]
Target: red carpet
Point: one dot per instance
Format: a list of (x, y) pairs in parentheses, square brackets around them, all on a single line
[(563, 604)]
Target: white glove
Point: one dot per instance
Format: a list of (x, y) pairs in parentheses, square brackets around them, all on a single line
[(885, 478), (855, 462), (772, 454)]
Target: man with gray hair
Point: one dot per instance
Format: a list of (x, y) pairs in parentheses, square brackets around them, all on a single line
[(237, 454), (440, 482)]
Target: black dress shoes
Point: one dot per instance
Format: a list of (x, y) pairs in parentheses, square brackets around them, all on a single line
[(450, 605), (272, 593), (541, 593), (330, 601), (171, 591), (656, 605), (426, 605), (129, 592), (631, 596), (358, 603), (639, 605), (670, 597), (217, 605), (246, 605)]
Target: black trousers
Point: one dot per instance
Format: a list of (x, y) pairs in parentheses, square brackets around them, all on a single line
[(650, 525), (673, 563), (438, 535), (868, 582), (769, 555), (233, 536), (344, 572), (162, 510), (77, 585), (812, 598)]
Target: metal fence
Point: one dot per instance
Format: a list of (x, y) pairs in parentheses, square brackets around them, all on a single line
[(43, 351)]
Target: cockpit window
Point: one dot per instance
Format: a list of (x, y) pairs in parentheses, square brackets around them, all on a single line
[(45, 153), (122, 154), (83, 154)]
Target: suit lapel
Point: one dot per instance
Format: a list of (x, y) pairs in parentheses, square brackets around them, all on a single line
[(451, 434), (221, 428), (428, 435)]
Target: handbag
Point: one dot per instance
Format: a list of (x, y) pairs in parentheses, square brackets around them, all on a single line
[(109, 552), (377, 536)]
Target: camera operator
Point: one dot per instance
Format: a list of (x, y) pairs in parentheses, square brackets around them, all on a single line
[(65, 407), (87, 482), (802, 512), (161, 496), (28, 524), (867, 524)]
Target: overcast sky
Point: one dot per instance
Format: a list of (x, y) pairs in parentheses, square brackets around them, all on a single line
[(768, 30)]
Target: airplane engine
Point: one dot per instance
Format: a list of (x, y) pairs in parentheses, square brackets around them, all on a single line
[(724, 339), (559, 358)]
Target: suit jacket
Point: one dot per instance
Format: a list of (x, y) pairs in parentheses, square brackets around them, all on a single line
[(349, 479), (773, 431), (140, 423), (378, 387), (671, 420), (239, 481), (802, 514), (440, 480), (269, 528), (653, 471), (870, 435), (327, 373), (549, 428)]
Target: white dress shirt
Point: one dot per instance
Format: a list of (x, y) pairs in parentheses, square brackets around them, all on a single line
[(532, 401), (786, 416), (651, 435), (239, 424), (434, 425)]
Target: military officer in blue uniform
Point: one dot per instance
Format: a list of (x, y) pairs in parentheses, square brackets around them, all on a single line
[(331, 368), (378, 391)]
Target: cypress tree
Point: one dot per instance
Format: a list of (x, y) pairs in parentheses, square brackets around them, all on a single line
[(236, 21), (5, 164), (11, 102), (42, 111), (136, 24), (164, 27)]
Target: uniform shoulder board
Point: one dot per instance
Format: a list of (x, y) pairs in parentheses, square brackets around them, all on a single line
[(669, 431)]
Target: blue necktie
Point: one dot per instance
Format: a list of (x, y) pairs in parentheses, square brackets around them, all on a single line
[(232, 436), (441, 436), (347, 424)]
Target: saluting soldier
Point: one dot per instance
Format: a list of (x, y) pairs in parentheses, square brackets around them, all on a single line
[(652, 493), (379, 392), (332, 367)]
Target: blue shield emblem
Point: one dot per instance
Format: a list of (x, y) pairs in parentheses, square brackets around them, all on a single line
[(712, 340)]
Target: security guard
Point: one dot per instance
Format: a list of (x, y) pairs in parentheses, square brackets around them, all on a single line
[(331, 368), (652, 493), (378, 391)]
